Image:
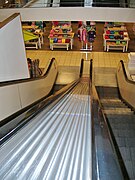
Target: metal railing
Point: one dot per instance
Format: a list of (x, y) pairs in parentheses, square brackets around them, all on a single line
[(85, 3)]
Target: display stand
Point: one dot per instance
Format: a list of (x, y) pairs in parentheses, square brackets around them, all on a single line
[(33, 37), (61, 40), (61, 35), (116, 38), (31, 40), (86, 35)]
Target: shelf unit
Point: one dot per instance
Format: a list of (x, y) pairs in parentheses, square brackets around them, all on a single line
[(33, 37), (116, 38), (61, 36), (61, 40)]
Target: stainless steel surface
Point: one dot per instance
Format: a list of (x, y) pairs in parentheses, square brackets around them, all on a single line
[(56, 144), (121, 120), (57, 3), (106, 165)]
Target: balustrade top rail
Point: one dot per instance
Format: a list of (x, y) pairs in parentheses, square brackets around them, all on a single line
[(68, 3)]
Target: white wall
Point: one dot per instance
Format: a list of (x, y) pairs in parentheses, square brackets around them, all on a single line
[(17, 96), (13, 62), (72, 14)]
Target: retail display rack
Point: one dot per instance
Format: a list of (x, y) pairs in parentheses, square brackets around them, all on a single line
[(33, 37), (61, 35), (116, 38)]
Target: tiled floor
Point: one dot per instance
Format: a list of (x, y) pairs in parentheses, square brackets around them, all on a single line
[(73, 58)]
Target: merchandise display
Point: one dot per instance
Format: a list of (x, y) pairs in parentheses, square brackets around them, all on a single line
[(33, 36), (31, 40), (86, 34), (61, 35), (115, 37), (81, 35)]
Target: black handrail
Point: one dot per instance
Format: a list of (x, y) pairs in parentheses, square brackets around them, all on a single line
[(91, 69), (81, 67), (125, 74), (7, 83)]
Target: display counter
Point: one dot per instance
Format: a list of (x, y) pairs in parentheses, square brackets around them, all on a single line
[(61, 40), (33, 39), (116, 39)]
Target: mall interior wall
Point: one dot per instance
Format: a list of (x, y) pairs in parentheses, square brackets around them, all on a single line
[(102, 14)]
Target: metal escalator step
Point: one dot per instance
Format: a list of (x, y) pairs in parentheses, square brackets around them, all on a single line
[(120, 133), (130, 169), (114, 105), (125, 152), (132, 149), (129, 162), (105, 70), (130, 142), (107, 92), (105, 80), (129, 130), (126, 133), (112, 101), (121, 141), (118, 111), (116, 133), (126, 118), (121, 120)]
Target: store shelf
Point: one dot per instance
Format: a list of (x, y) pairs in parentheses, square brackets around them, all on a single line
[(116, 38), (115, 46), (33, 39), (61, 36), (61, 40)]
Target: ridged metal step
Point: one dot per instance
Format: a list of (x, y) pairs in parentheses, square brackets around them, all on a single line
[(67, 74), (123, 129), (117, 111), (105, 76), (56, 144), (122, 122), (108, 92)]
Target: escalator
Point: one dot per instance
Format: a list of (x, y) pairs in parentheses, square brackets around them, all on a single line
[(121, 120), (60, 138), (55, 137), (56, 143)]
